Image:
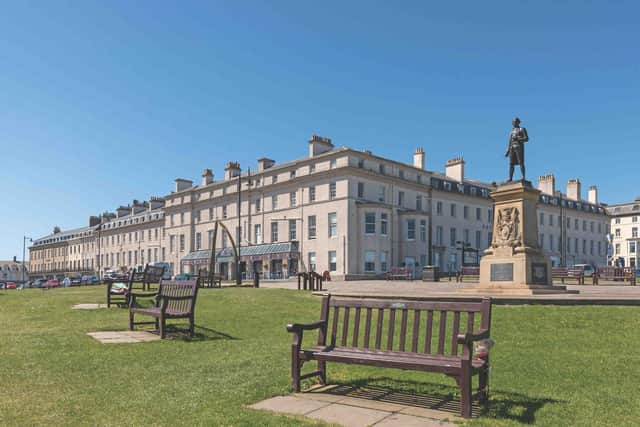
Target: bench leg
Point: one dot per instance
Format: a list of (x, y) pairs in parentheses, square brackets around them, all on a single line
[(465, 390), (322, 367), (191, 326), (157, 324), (131, 320), (163, 327), (295, 370), (483, 386)]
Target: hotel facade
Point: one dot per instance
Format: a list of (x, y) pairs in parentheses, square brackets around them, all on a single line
[(345, 211)]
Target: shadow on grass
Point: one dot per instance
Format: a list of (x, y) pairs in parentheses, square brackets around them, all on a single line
[(200, 333), (502, 405)]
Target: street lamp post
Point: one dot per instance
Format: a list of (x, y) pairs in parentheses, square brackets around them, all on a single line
[(24, 241)]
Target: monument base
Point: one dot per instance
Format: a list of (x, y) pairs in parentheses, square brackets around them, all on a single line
[(515, 264)]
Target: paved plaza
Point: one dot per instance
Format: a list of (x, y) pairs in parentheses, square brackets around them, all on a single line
[(367, 406), (124, 337), (603, 294)]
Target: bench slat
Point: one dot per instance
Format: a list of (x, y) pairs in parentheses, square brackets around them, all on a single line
[(379, 329), (470, 319), (410, 305), (456, 331), (416, 331), (403, 329), (392, 323), (428, 332), (345, 327), (443, 330), (356, 327), (334, 327), (367, 328)]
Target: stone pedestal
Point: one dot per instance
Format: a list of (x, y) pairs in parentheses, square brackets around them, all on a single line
[(515, 264)]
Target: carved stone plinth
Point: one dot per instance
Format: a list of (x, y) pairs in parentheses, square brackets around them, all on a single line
[(515, 263)]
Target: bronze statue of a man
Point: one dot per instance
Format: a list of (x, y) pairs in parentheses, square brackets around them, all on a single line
[(515, 150)]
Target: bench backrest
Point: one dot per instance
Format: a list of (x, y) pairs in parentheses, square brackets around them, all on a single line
[(150, 274), (179, 288), (428, 327), (615, 271)]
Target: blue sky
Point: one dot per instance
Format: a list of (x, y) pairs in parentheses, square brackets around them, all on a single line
[(104, 102)]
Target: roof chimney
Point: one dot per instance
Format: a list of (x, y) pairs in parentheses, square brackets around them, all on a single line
[(454, 169), (207, 177), (94, 220), (319, 145), (232, 170), (573, 189), (56, 230), (418, 158), (183, 184), (264, 164), (155, 202), (547, 184), (592, 195), (122, 211)]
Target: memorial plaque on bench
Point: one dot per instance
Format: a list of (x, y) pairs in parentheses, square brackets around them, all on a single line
[(502, 272)]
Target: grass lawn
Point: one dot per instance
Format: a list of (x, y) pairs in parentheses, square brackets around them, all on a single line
[(551, 365)]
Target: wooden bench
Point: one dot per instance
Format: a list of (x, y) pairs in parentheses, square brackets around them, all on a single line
[(207, 280), (471, 273), (310, 281), (421, 341), (399, 273), (563, 273), (622, 274), (143, 279), (175, 299)]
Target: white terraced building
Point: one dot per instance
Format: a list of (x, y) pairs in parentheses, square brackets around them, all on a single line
[(345, 211)]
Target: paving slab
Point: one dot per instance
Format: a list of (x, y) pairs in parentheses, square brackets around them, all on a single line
[(290, 405), (120, 337), (400, 420), (88, 306), (348, 416)]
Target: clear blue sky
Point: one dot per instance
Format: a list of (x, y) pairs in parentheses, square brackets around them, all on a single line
[(89, 88)]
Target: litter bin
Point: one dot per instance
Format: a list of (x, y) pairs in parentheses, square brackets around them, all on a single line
[(431, 273), (256, 279)]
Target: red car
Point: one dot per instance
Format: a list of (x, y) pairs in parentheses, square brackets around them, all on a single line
[(11, 285), (51, 283)]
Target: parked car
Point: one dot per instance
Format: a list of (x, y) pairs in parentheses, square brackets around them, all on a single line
[(51, 283), (85, 280), (587, 268), (11, 285), (183, 276), (95, 280), (38, 283), (76, 280)]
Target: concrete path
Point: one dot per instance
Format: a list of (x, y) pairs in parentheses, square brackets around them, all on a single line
[(359, 407), (124, 337), (88, 306), (588, 294)]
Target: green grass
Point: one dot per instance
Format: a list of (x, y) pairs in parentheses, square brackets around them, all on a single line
[(551, 365)]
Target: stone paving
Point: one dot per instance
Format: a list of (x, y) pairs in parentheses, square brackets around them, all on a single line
[(359, 407), (588, 294), (124, 337), (88, 306)]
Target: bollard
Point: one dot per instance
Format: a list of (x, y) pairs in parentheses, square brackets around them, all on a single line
[(256, 279)]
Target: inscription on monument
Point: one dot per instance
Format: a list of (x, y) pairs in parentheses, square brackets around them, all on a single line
[(539, 273), (502, 272)]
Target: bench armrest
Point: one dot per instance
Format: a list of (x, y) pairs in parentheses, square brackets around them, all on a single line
[(299, 327), (469, 337)]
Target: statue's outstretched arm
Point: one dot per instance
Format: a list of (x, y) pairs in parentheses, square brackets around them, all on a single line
[(525, 135)]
